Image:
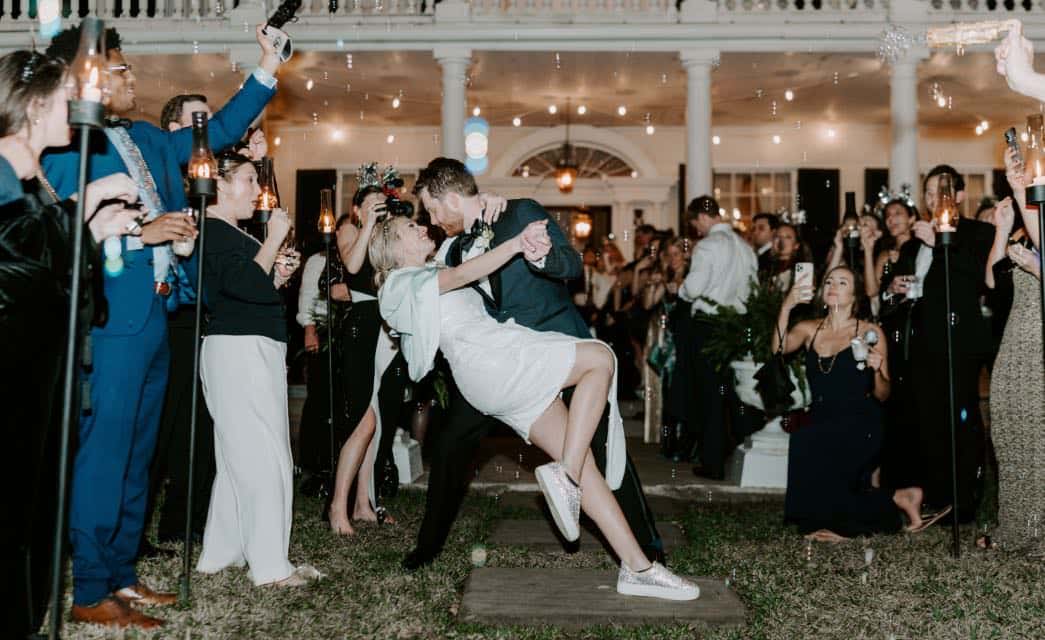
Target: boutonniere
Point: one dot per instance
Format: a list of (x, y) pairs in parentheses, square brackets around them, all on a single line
[(484, 237)]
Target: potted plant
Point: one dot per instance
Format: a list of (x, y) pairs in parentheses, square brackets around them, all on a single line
[(742, 343)]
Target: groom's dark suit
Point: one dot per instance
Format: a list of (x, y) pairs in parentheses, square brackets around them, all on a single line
[(536, 298)]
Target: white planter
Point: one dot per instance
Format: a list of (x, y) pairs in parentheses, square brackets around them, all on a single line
[(406, 452), (761, 461)]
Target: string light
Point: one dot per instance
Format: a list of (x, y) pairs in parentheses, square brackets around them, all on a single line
[(552, 109), (789, 95), (650, 130), (390, 139), (622, 111), (516, 121), (476, 111), (776, 139), (716, 140), (309, 84), (581, 110), (395, 102)]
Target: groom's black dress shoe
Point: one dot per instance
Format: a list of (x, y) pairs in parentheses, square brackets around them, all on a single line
[(417, 559)]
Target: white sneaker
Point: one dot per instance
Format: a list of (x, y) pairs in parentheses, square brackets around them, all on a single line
[(655, 582), (564, 498)]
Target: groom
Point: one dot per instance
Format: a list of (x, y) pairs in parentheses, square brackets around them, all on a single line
[(531, 289)]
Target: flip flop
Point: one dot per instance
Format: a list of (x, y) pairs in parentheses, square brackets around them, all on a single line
[(928, 522)]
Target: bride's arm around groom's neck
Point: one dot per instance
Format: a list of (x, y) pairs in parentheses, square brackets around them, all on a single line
[(563, 261)]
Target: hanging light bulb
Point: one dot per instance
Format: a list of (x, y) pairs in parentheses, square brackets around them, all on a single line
[(516, 121), (326, 212), (622, 111)]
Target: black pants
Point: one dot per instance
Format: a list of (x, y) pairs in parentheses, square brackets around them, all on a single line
[(929, 374), (171, 462), (709, 397), (314, 433), (452, 448), (390, 404)]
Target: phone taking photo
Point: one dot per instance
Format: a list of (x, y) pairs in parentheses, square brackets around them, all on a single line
[(804, 278)]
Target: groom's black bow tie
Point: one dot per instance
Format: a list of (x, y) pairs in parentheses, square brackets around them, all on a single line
[(468, 238)]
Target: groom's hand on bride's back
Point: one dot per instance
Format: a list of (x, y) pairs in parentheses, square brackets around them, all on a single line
[(493, 206)]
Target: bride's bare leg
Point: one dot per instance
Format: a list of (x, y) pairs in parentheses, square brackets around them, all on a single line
[(591, 375), (363, 510), (348, 461), (550, 433)]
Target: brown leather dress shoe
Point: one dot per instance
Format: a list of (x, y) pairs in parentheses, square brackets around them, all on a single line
[(142, 594), (114, 612)]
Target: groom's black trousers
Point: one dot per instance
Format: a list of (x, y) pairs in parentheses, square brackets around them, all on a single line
[(452, 448)]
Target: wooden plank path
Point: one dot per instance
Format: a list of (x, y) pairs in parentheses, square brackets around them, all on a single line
[(577, 598), (542, 535)]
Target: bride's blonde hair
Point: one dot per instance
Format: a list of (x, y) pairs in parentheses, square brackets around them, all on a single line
[(384, 247)]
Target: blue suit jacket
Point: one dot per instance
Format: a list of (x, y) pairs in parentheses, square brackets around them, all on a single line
[(130, 294)]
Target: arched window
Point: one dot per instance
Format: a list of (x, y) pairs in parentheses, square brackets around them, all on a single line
[(591, 163)]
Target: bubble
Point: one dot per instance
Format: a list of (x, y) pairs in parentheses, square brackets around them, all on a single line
[(868, 556), (759, 93), (827, 184), (478, 556)]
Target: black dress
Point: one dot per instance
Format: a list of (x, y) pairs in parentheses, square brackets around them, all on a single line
[(901, 445), (830, 460)]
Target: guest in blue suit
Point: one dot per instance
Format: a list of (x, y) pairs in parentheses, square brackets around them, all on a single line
[(117, 434)]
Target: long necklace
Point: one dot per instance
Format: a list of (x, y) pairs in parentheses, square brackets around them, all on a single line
[(820, 359)]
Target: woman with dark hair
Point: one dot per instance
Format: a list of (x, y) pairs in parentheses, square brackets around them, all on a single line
[(788, 250), (895, 269), (363, 352), (35, 245), (832, 459), (245, 383)]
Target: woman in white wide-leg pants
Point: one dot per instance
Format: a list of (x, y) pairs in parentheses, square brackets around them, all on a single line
[(243, 366)]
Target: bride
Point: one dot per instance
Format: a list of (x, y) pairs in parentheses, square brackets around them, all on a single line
[(515, 374)]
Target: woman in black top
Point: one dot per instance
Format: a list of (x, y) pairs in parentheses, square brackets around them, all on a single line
[(245, 384), (895, 268), (364, 351)]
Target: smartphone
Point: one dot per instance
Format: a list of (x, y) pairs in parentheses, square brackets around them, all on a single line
[(804, 277), (1013, 142)]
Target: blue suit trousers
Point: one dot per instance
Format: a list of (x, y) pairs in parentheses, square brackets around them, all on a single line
[(110, 482)]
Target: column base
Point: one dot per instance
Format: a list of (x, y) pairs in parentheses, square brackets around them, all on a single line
[(762, 460)]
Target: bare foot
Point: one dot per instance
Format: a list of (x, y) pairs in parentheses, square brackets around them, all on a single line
[(909, 501), (825, 535), (339, 523), (366, 514)]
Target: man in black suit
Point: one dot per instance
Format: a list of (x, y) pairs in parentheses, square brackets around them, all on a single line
[(530, 289), (971, 338)]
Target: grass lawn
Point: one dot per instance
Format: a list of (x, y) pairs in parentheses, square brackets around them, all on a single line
[(912, 588)]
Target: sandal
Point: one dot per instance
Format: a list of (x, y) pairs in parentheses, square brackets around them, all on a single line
[(928, 522)]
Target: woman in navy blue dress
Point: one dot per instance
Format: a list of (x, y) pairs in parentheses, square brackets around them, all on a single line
[(831, 461)]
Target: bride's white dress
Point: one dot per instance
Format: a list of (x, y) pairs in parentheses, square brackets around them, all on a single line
[(507, 371)]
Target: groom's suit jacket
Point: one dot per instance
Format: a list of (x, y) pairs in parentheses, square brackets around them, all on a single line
[(535, 296)]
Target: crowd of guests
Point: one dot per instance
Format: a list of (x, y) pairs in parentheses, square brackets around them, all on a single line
[(871, 452)]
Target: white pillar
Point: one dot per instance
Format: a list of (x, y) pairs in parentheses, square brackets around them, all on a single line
[(903, 102), (454, 61), (621, 225), (698, 64)]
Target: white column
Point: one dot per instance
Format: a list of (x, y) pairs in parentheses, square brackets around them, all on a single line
[(455, 61), (621, 225), (903, 102), (698, 64)]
